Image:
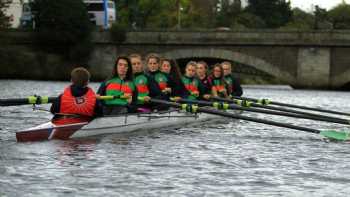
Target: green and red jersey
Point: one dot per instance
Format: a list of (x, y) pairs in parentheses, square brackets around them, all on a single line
[(118, 87)]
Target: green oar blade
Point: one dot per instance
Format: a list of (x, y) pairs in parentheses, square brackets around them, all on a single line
[(336, 135)]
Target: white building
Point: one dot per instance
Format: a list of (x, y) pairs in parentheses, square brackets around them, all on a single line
[(96, 11), (14, 11)]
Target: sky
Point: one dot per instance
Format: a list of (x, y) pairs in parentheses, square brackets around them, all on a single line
[(307, 4)]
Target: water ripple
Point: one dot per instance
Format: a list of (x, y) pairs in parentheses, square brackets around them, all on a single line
[(230, 158)]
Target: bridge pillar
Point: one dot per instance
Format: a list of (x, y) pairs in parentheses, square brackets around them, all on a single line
[(101, 61), (313, 69)]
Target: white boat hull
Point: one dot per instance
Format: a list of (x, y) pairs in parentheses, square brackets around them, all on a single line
[(113, 125)]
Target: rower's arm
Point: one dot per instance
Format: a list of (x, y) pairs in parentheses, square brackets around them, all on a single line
[(56, 105), (237, 88)]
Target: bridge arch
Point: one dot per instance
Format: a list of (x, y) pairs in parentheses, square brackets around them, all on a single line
[(341, 80), (255, 62)]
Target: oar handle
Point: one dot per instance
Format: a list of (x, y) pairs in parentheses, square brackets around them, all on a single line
[(28, 100), (237, 116), (99, 97), (266, 101)]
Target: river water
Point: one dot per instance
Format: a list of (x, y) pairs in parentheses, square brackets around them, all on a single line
[(237, 158)]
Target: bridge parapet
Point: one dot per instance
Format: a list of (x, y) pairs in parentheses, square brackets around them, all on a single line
[(254, 38)]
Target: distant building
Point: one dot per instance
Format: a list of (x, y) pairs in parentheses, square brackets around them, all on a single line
[(21, 15), (14, 11), (244, 3)]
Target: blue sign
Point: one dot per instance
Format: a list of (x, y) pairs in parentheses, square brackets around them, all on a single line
[(105, 6)]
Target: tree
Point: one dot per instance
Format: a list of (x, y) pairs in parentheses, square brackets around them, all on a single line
[(340, 16), (228, 12), (138, 14), (4, 20), (249, 20), (301, 20), (321, 18), (275, 13), (63, 26)]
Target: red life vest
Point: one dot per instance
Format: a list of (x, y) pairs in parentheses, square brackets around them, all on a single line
[(84, 106)]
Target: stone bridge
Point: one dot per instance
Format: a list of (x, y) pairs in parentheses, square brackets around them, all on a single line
[(319, 59)]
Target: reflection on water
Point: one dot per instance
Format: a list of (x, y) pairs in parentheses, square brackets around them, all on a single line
[(237, 158)]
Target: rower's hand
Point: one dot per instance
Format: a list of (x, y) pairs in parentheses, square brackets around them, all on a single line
[(206, 96), (167, 90), (128, 97), (195, 93), (223, 91), (176, 98), (146, 98)]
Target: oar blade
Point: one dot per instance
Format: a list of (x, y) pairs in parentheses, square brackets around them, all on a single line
[(336, 135)]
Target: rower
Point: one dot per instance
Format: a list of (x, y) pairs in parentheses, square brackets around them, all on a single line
[(233, 84), (146, 86), (78, 102), (218, 88), (172, 71), (192, 84), (121, 86), (202, 74), (153, 62)]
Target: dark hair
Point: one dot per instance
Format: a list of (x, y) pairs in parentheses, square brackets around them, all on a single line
[(221, 70), (129, 75), (80, 76), (174, 68)]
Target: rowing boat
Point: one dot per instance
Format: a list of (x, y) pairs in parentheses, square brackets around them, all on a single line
[(113, 125)]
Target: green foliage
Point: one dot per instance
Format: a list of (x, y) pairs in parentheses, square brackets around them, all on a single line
[(301, 20), (340, 16), (155, 14), (275, 13), (63, 27), (250, 21), (4, 20), (229, 11), (118, 32)]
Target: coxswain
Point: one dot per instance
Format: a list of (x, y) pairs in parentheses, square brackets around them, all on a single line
[(121, 86), (78, 102), (218, 85), (193, 84), (233, 85)]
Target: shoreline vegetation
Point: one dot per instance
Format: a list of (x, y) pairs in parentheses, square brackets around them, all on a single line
[(52, 49)]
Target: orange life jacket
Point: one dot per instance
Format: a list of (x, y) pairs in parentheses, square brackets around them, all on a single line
[(82, 108)]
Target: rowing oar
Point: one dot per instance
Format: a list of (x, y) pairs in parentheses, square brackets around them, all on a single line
[(221, 105), (40, 100), (267, 102), (252, 104), (334, 135)]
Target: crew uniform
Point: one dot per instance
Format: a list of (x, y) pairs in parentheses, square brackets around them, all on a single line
[(146, 86), (194, 87), (163, 82), (233, 85), (218, 85), (206, 84), (76, 104), (117, 87)]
